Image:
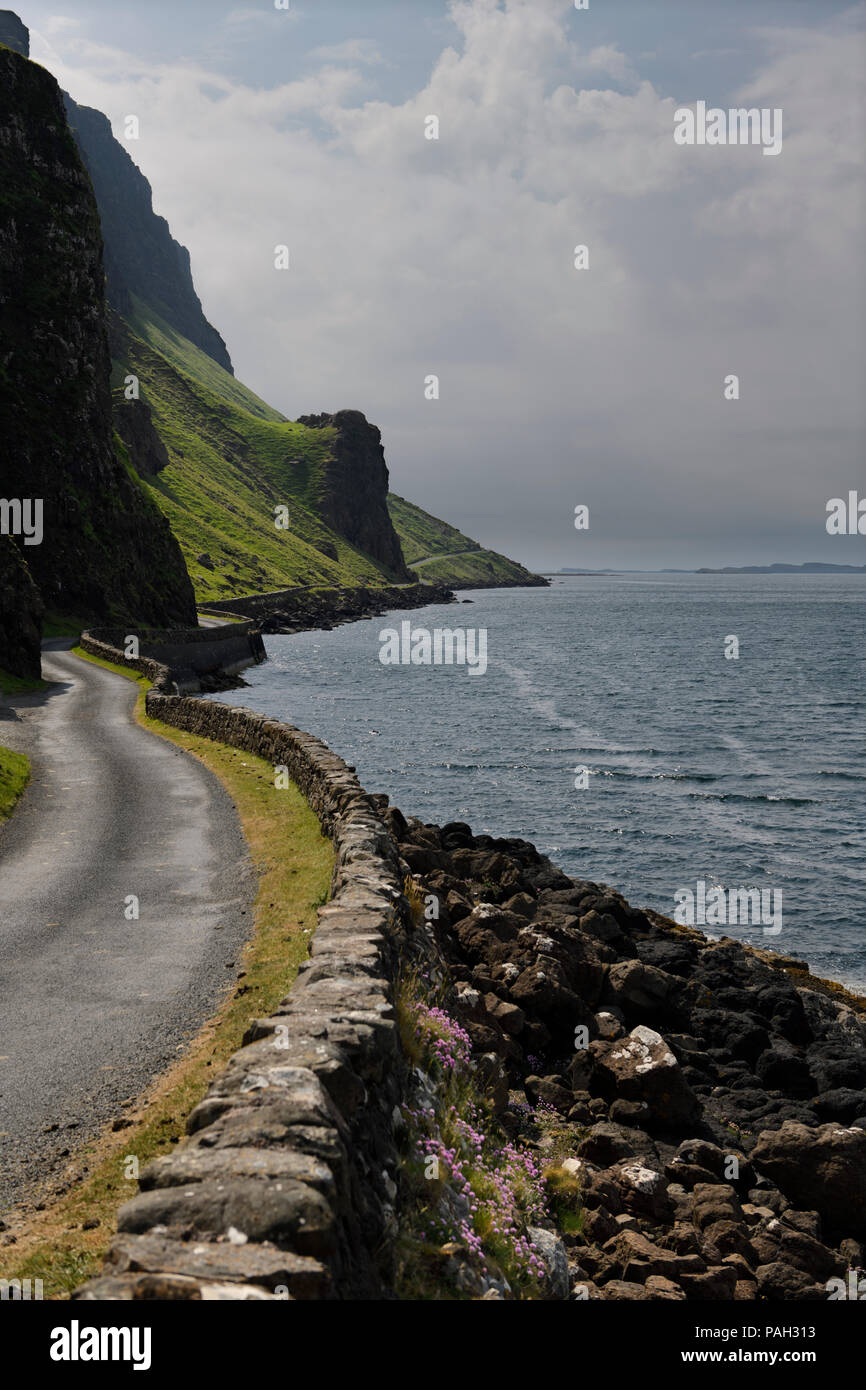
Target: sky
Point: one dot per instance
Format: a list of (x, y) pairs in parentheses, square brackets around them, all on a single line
[(409, 257)]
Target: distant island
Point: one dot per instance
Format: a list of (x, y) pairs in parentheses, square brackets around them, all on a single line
[(810, 567)]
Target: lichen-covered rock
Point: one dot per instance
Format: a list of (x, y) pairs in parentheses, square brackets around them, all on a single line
[(642, 1068)]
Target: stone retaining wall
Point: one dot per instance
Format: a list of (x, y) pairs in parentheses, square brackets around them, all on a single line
[(286, 1185), (181, 660)]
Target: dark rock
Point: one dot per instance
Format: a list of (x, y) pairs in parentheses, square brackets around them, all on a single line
[(642, 1068), (821, 1169), (779, 1282), (550, 1090), (842, 1105), (639, 988), (607, 1143), (289, 1214), (107, 551), (715, 1202), (781, 1068)]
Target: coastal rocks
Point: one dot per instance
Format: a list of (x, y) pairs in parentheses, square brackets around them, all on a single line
[(643, 1069), (555, 1258), (682, 1058), (640, 990), (822, 1169), (301, 609)]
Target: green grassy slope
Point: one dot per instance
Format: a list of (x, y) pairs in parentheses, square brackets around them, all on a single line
[(232, 460), (422, 535), (148, 325), (442, 554)]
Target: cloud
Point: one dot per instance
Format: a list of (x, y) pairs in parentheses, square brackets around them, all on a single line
[(456, 257), (61, 24), (350, 51)]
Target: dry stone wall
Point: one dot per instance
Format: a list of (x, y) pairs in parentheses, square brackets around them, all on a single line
[(286, 1185), (182, 661)]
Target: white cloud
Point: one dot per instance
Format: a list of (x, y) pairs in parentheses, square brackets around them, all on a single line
[(350, 51), (412, 256)]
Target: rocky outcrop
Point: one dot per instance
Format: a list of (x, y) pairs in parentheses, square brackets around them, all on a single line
[(20, 614), (14, 34), (353, 501), (301, 609), (106, 550), (134, 423), (142, 258)]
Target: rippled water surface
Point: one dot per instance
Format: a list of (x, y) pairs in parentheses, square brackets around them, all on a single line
[(743, 773)]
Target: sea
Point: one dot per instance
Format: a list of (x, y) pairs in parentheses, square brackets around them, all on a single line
[(693, 741)]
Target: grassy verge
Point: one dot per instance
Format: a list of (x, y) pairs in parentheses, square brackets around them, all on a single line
[(62, 625), (14, 776), (294, 863)]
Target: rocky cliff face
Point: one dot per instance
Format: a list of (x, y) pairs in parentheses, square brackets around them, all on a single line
[(14, 34), (20, 613), (354, 500), (142, 257), (106, 550)]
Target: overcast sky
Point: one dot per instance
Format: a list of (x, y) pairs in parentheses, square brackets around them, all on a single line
[(411, 257)]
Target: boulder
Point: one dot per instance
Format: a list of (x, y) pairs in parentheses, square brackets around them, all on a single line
[(639, 988), (554, 1257), (642, 1068), (821, 1170), (783, 1283)]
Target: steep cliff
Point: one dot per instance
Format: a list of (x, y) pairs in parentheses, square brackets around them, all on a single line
[(106, 551), (141, 256), (215, 459), (20, 613), (14, 34), (354, 491)]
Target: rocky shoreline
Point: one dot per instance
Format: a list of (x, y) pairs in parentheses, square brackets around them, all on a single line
[(303, 610), (688, 1116), (710, 1117)]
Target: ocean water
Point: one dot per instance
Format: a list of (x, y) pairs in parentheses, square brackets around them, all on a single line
[(738, 773)]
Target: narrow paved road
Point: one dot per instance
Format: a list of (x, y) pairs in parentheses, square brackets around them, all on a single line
[(93, 1005), (454, 555)]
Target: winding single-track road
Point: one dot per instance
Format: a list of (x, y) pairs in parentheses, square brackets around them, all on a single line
[(93, 1003)]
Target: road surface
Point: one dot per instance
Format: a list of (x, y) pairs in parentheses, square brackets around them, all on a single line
[(94, 1003)]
